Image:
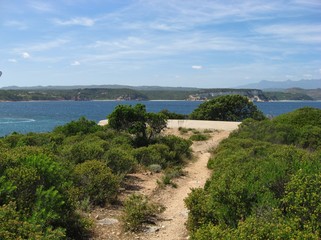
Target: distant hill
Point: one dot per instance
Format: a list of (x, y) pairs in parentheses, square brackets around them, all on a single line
[(77, 93), (273, 85), (112, 86)]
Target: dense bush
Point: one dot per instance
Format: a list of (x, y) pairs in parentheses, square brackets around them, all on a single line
[(265, 184), (227, 108), (120, 160), (179, 148), (96, 181), (82, 126)]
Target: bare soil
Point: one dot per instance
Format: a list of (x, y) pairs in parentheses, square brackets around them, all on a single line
[(171, 223)]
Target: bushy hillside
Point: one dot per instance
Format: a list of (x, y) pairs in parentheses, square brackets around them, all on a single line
[(265, 184), (47, 180)]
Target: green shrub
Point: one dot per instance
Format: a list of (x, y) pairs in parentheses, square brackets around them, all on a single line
[(96, 181), (227, 108), (183, 130), (179, 148), (84, 150), (119, 160), (13, 225), (199, 137), (153, 154), (137, 211), (263, 186), (156, 168), (170, 174), (81, 126)]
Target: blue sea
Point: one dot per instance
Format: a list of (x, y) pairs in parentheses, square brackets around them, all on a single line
[(26, 117)]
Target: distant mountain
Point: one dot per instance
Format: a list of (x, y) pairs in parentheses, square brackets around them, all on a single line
[(273, 85), (113, 86)]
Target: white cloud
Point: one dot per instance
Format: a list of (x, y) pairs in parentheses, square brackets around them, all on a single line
[(75, 63), (25, 55), (12, 60), (41, 6), (82, 21), (197, 67), (127, 43)]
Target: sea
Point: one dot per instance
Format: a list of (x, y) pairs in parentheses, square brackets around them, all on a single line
[(42, 116)]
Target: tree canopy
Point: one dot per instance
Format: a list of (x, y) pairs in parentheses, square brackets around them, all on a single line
[(227, 108), (137, 121)]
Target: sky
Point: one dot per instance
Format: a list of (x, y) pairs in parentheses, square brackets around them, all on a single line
[(179, 43)]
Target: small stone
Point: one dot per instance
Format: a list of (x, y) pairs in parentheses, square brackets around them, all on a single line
[(108, 221), (97, 217), (152, 229)]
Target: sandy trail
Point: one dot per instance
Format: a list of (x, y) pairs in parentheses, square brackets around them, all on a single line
[(172, 223)]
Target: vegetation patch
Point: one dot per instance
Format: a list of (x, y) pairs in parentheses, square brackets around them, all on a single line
[(199, 137), (139, 211), (265, 183), (48, 179)]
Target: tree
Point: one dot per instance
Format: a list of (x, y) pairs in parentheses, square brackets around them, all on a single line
[(131, 119), (227, 108), (137, 121)]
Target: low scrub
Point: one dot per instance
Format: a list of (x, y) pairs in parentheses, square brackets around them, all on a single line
[(138, 211), (199, 137), (265, 184)]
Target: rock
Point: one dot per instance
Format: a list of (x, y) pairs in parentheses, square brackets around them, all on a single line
[(152, 229), (108, 221)]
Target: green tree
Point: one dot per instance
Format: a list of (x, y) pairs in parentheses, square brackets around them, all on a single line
[(137, 121), (227, 108)]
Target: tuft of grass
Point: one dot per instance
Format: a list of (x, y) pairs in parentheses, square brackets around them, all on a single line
[(208, 131), (199, 137), (137, 211), (169, 175), (183, 130), (155, 168)]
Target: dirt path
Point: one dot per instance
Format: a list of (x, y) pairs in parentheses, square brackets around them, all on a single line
[(172, 223)]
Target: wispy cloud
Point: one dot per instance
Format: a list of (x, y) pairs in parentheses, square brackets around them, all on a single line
[(75, 63), (81, 21), (25, 55), (128, 42), (12, 60), (197, 67), (41, 6)]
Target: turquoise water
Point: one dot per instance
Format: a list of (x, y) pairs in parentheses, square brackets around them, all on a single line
[(26, 117)]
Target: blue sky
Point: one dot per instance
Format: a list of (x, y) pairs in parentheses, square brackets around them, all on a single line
[(194, 43)]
